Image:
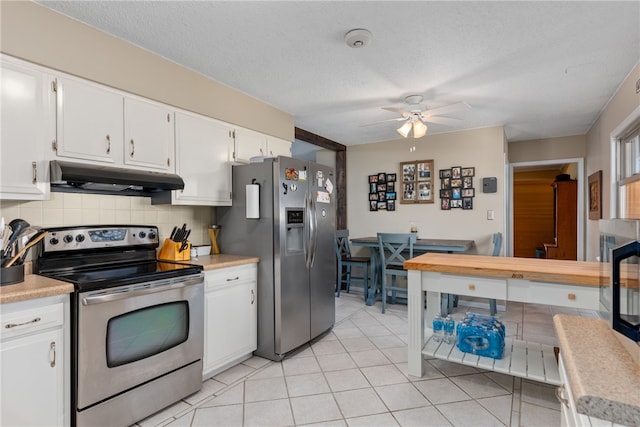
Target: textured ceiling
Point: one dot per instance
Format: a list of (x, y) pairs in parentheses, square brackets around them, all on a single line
[(541, 69)]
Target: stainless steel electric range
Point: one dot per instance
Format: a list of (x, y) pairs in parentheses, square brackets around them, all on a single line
[(136, 322)]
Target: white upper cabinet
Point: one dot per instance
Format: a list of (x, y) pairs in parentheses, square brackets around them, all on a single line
[(248, 144), (89, 119), (278, 147), (203, 160), (148, 135), (28, 128), (102, 125)]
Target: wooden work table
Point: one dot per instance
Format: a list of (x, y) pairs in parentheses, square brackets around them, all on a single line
[(572, 284)]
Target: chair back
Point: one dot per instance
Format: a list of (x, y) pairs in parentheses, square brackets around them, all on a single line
[(341, 244), (497, 244), (395, 248)]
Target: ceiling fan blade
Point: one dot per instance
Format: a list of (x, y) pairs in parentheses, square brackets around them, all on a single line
[(441, 120), (399, 119), (447, 109), (397, 110)]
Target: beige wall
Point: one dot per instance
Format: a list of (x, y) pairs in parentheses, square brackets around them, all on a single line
[(534, 150), (37, 34), (480, 148), (621, 105)]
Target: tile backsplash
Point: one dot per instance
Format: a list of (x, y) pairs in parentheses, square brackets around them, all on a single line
[(64, 209)]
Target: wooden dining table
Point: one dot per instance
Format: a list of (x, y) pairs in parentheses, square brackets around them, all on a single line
[(419, 247)]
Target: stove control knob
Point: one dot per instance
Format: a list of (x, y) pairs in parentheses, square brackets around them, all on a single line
[(80, 238), (142, 234), (54, 241), (152, 235), (68, 238)]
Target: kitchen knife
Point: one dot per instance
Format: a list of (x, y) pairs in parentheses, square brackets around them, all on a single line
[(173, 233), (184, 241)]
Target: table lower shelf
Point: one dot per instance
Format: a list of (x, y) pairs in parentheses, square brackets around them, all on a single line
[(520, 358)]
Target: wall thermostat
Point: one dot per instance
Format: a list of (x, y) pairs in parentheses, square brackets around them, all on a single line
[(490, 185)]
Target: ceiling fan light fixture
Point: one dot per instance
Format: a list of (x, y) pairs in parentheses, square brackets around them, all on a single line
[(419, 129), (405, 129)]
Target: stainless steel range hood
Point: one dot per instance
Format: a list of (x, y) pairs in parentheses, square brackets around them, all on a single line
[(77, 177)]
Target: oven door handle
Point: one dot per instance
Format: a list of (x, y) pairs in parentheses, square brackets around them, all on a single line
[(142, 289)]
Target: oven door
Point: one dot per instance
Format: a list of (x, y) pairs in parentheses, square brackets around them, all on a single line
[(132, 334)]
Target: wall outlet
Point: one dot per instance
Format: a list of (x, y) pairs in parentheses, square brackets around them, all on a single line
[(491, 214)]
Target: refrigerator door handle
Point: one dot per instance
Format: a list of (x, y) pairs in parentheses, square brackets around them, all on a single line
[(313, 244), (308, 231)]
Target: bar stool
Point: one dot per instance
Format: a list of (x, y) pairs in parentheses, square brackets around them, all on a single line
[(346, 262)]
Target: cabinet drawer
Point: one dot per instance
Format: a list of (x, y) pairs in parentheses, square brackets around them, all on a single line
[(482, 287), (230, 275), (31, 320), (574, 296)]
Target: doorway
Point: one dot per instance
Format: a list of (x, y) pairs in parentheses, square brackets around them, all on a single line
[(531, 205)]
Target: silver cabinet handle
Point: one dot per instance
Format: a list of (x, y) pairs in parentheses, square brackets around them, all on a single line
[(34, 168), (15, 325), (108, 144), (133, 148), (52, 354), (234, 279), (253, 296), (561, 399)]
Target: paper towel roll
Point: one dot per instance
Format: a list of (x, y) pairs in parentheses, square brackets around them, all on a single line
[(253, 201)]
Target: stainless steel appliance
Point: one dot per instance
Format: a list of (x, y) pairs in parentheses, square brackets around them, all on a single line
[(136, 323), (619, 292), (293, 237)]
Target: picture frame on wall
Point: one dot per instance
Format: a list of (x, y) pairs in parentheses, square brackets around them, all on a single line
[(468, 192), (445, 173), (417, 181), (391, 205), (456, 172), (373, 205), (445, 183), (468, 171), (595, 195), (391, 177), (467, 203), (445, 204)]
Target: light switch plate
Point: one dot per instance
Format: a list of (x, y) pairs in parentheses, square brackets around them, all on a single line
[(491, 214)]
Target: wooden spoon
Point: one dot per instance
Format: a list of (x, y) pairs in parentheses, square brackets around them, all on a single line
[(35, 239)]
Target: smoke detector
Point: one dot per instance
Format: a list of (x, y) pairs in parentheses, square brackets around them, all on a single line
[(357, 38)]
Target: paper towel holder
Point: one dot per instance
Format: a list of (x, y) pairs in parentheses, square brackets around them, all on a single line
[(253, 200)]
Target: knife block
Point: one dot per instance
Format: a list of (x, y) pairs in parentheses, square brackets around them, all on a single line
[(170, 251)]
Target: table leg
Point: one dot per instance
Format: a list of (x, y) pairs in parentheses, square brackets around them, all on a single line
[(416, 323)]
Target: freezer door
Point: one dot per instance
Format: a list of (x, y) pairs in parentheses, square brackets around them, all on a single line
[(323, 258), (292, 317)]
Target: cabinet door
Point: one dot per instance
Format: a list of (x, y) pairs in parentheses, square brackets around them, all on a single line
[(248, 144), (32, 380), (278, 147), (89, 122), (148, 135), (230, 324), (203, 160), (28, 128)]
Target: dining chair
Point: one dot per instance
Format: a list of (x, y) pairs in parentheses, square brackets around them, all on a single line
[(450, 300), (346, 263), (395, 249)]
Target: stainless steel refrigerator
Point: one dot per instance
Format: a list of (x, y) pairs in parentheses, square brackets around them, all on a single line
[(293, 237)]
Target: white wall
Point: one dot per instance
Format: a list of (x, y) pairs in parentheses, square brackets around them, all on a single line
[(483, 149), (620, 106)]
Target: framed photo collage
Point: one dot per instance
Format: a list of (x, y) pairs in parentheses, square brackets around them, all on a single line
[(456, 188), (382, 192)]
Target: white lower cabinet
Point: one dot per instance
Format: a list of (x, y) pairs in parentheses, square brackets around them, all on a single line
[(231, 317), (33, 364)]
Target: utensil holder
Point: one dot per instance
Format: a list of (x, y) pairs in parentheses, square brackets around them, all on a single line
[(170, 251), (11, 275)]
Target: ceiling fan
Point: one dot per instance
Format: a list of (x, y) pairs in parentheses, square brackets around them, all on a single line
[(416, 115)]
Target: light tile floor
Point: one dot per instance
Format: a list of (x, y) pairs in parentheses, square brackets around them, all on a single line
[(355, 375)]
